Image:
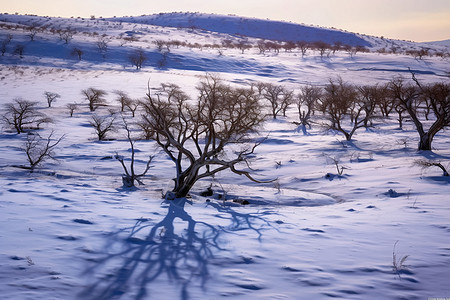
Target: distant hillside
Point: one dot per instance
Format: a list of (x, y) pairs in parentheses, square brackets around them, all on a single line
[(441, 43), (256, 28)]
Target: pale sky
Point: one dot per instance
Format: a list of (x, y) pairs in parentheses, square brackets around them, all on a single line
[(417, 20)]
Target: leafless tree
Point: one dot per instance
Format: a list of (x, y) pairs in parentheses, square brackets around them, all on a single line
[(289, 46), (103, 125), (19, 50), (23, 114), (369, 96), (307, 99), (122, 98), (278, 96), (261, 46), (130, 176), (132, 105), (5, 43), (39, 149), (385, 103), (303, 45), (66, 35), (51, 97), (322, 47), (33, 30), (137, 58), (77, 52), (102, 46), (437, 97), (410, 97), (243, 45), (95, 97), (161, 44), (72, 107), (344, 107), (196, 135), (162, 62)]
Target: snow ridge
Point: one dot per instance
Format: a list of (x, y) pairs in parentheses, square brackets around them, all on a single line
[(249, 27)]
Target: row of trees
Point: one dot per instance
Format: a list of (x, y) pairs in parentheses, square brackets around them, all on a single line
[(243, 44), (348, 107), (218, 130)]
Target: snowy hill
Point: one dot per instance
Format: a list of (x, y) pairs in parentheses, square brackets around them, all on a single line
[(248, 27)]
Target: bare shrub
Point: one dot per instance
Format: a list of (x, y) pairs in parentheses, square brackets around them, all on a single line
[(39, 149), (130, 176), (137, 58), (427, 164)]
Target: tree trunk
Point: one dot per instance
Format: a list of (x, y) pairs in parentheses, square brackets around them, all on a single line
[(425, 142), (184, 183)]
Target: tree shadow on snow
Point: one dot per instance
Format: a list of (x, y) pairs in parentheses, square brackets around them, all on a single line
[(136, 257)]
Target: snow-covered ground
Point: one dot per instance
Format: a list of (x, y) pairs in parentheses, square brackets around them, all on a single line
[(71, 231)]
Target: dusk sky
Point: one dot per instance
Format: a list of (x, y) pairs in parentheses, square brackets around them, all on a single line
[(415, 20)]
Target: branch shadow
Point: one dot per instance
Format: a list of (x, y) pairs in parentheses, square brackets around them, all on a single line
[(136, 257)]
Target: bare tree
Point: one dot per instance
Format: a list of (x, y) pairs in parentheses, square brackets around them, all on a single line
[(322, 47), (160, 44), (103, 125), (72, 107), (122, 98), (130, 177), (195, 136), (303, 45), (437, 97), (22, 114), (95, 97), (261, 46), (19, 50), (51, 97), (132, 105), (306, 101), (137, 58), (385, 102), (410, 97), (39, 149), (278, 97), (102, 46), (66, 35), (344, 107), (33, 30), (369, 96), (77, 52), (243, 45), (5, 44)]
